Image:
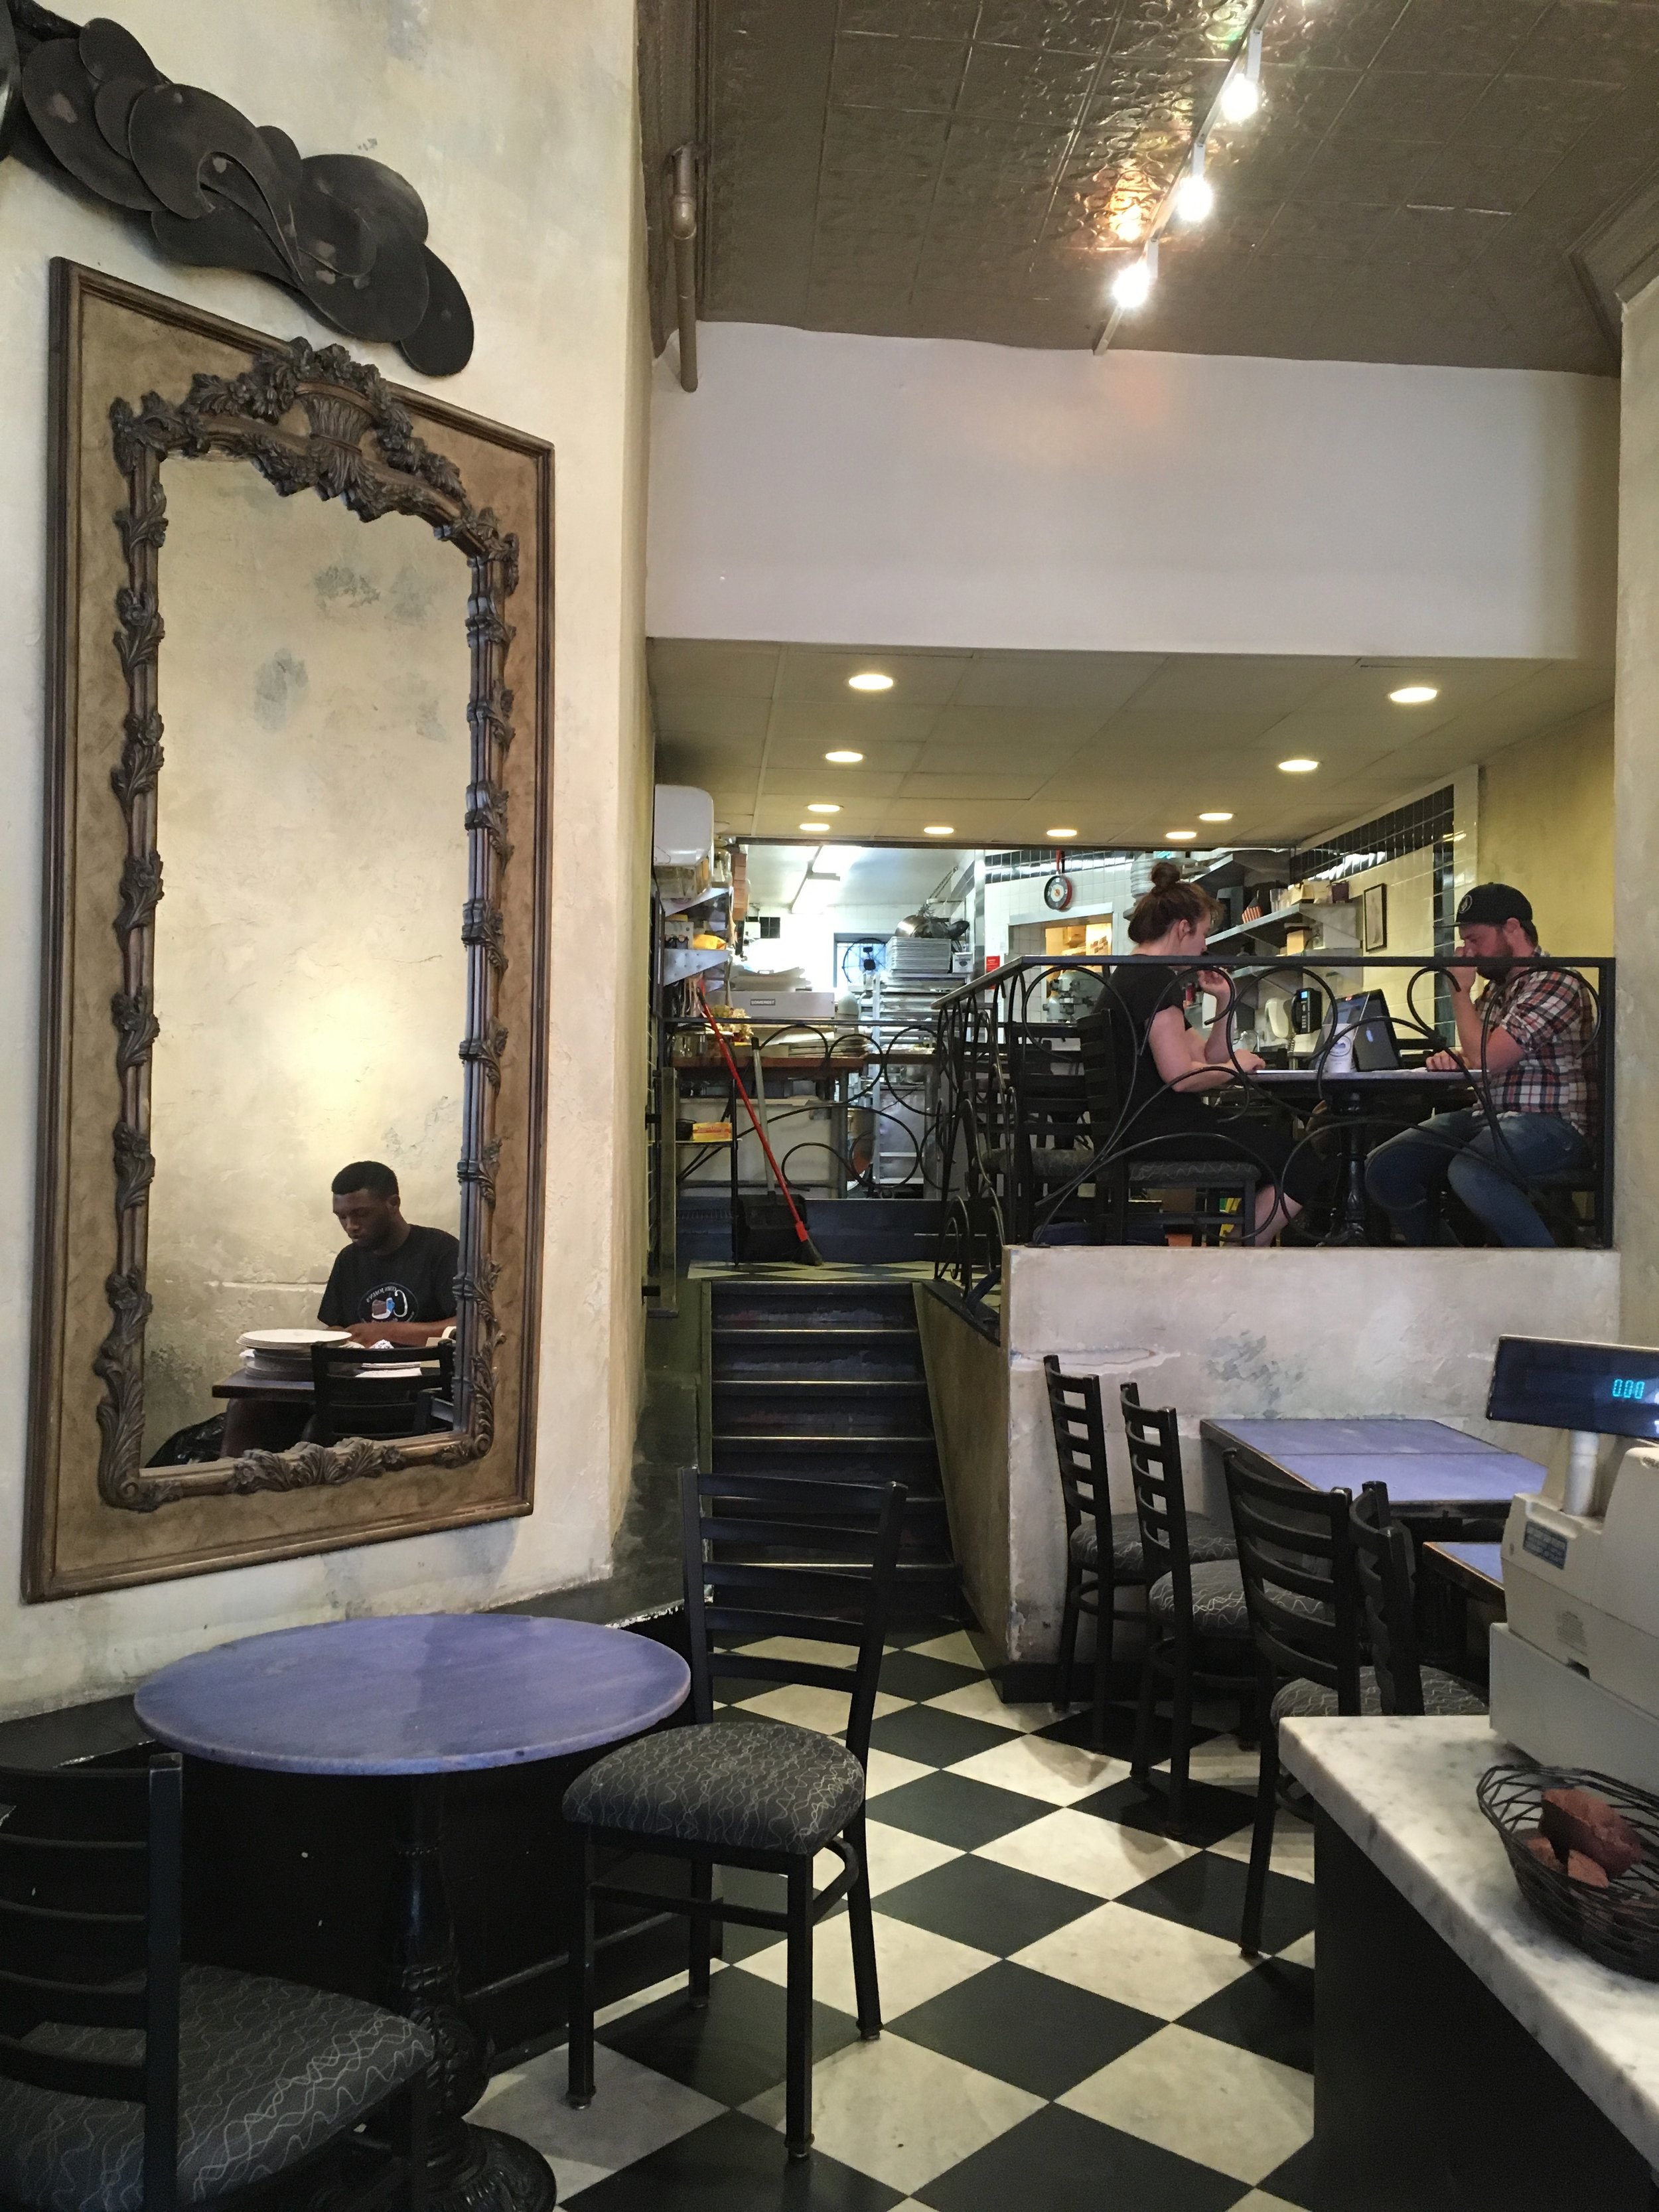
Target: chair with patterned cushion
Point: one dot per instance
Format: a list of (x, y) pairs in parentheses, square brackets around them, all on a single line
[(132, 2082), (772, 1561), (1197, 1634), (1094, 1573), (1396, 1682)]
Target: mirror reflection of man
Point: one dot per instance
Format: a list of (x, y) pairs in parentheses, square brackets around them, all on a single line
[(394, 1281)]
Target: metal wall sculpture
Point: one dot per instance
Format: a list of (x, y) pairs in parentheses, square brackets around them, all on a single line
[(347, 233)]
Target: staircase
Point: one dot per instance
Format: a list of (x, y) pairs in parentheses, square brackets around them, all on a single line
[(824, 1378)]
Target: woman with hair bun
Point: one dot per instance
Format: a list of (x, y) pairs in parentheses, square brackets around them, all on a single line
[(1164, 1066)]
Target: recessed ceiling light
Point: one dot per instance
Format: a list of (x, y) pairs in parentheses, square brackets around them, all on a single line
[(1059, 833), (1215, 818), (844, 758), (1299, 766), (1241, 96), (1414, 694), (1181, 837), (870, 679), (821, 807), (1133, 285), (939, 830), (812, 829), (1194, 199)]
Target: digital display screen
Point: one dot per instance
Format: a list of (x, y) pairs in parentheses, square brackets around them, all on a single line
[(1610, 1389)]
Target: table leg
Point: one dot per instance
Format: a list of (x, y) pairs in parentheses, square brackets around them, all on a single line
[(469, 2169), (1349, 1225)]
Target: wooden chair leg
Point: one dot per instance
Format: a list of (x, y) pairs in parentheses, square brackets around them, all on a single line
[(416, 2114), (1261, 1839), (1140, 1760), (1069, 1622), (701, 1890), (1180, 1737), (580, 2091), (862, 1928), (798, 2076), (1105, 1599)]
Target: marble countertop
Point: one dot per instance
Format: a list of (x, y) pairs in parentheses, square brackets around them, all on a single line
[(1404, 1792)]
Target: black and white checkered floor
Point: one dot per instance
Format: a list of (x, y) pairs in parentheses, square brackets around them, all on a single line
[(1069, 2023)]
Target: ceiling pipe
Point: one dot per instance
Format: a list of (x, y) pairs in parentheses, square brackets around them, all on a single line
[(682, 228)]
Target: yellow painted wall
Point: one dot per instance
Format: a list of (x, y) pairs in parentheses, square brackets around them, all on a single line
[(1546, 827)]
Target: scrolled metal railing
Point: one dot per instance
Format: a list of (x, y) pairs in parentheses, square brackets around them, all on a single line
[(990, 1032)]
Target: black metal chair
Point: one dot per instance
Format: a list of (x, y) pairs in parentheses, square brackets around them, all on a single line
[(1095, 1572), (1194, 1600), (1130, 1175), (766, 1556), (1396, 1682), (380, 1393), (128, 2079), (1303, 1600)]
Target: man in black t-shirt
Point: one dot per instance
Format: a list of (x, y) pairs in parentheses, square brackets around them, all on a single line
[(394, 1283)]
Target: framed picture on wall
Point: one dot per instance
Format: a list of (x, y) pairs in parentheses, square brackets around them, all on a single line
[(1374, 919)]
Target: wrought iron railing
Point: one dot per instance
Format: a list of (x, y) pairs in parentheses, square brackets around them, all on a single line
[(995, 1142)]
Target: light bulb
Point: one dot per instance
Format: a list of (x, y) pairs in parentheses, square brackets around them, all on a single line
[(870, 679), (1414, 694), (1194, 199), (1241, 96), (844, 758), (1132, 285)]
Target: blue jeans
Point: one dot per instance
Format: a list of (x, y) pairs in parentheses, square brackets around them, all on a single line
[(1459, 1148)]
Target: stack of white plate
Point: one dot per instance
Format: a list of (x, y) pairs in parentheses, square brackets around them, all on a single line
[(283, 1355)]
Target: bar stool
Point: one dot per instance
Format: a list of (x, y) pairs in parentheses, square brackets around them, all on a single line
[(1094, 1572), (1195, 1599)]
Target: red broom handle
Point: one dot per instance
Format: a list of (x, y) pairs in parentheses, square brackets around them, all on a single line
[(731, 1070)]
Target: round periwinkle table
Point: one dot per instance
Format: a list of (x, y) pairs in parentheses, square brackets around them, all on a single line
[(424, 1695)]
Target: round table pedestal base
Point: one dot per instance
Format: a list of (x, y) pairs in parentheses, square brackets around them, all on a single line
[(501, 2174)]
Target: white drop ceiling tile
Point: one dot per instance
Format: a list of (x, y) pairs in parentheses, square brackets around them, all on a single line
[(786, 780), (1035, 763), (851, 721), (1099, 680), (1230, 683), (987, 726), (1460, 683), (1156, 730), (746, 671), (723, 717), (819, 673), (934, 789)]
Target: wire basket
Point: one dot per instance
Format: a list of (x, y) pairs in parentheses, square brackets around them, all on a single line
[(1618, 1925)]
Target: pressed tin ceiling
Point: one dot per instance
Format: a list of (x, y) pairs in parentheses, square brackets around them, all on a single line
[(1002, 747), (1412, 190)]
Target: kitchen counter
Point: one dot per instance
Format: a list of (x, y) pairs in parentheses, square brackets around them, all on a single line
[(1528, 2066)]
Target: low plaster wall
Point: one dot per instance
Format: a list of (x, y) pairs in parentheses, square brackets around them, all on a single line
[(968, 1389), (1285, 1333)]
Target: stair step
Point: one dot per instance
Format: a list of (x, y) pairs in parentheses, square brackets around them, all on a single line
[(772, 1304), (860, 1459)]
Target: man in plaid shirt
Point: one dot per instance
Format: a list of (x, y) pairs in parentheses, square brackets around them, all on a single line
[(1527, 1042)]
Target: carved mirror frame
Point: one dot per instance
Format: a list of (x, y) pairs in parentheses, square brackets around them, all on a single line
[(310, 421)]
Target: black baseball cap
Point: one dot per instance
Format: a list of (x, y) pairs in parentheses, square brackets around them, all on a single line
[(1494, 904)]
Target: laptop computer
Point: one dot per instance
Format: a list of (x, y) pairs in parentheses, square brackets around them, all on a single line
[(1358, 1037)]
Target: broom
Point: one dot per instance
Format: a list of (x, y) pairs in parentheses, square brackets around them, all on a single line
[(809, 1249)]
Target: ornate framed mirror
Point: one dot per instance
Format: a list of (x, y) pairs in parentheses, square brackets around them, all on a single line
[(297, 910)]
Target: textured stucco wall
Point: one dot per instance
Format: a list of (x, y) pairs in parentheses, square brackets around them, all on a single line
[(310, 977), (518, 126), (1284, 1333), (968, 1389)]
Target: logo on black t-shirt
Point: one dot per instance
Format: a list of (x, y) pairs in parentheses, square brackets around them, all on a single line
[(389, 1302)]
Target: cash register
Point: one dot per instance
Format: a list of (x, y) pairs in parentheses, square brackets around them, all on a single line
[(1575, 1670)]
